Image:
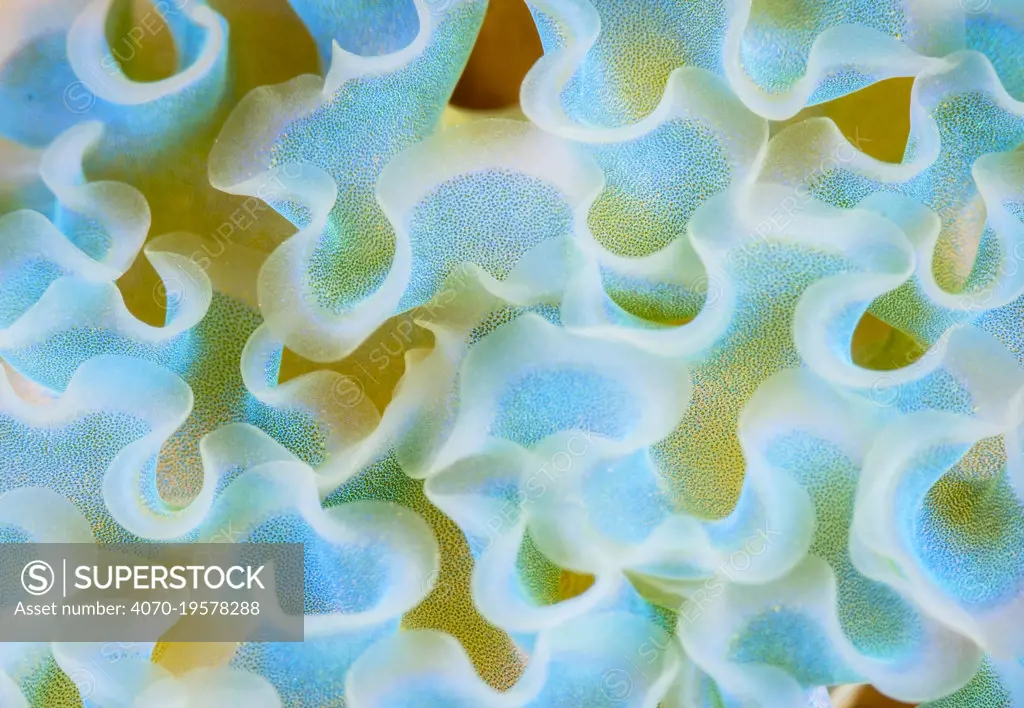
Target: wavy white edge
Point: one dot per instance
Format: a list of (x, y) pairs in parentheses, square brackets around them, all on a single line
[(468, 297), (854, 426), (563, 531), (63, 522), (994, 173), (950, 664), (64, 303), (412, 652), (146, 392), (309, 328), (125, 215), (108, 674), (10, 693), (346, 65), (818, 309), (542, 89), (383, 665), (876, 546), (209, 687), (406, 534), (26, 20), (363, 434), (263, 461), (583, 305), (692, 94), (834, 48), (722, 226), (51, 188), (119, 208), (266, 462), (540, 345), (87, 44)]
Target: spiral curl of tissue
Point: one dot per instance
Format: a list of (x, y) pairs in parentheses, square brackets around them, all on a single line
[(615, 447)]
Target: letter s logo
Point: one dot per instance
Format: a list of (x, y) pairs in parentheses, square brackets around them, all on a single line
[(37, 577)]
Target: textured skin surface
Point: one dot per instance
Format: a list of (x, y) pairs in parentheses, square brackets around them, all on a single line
[(697, 384)]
